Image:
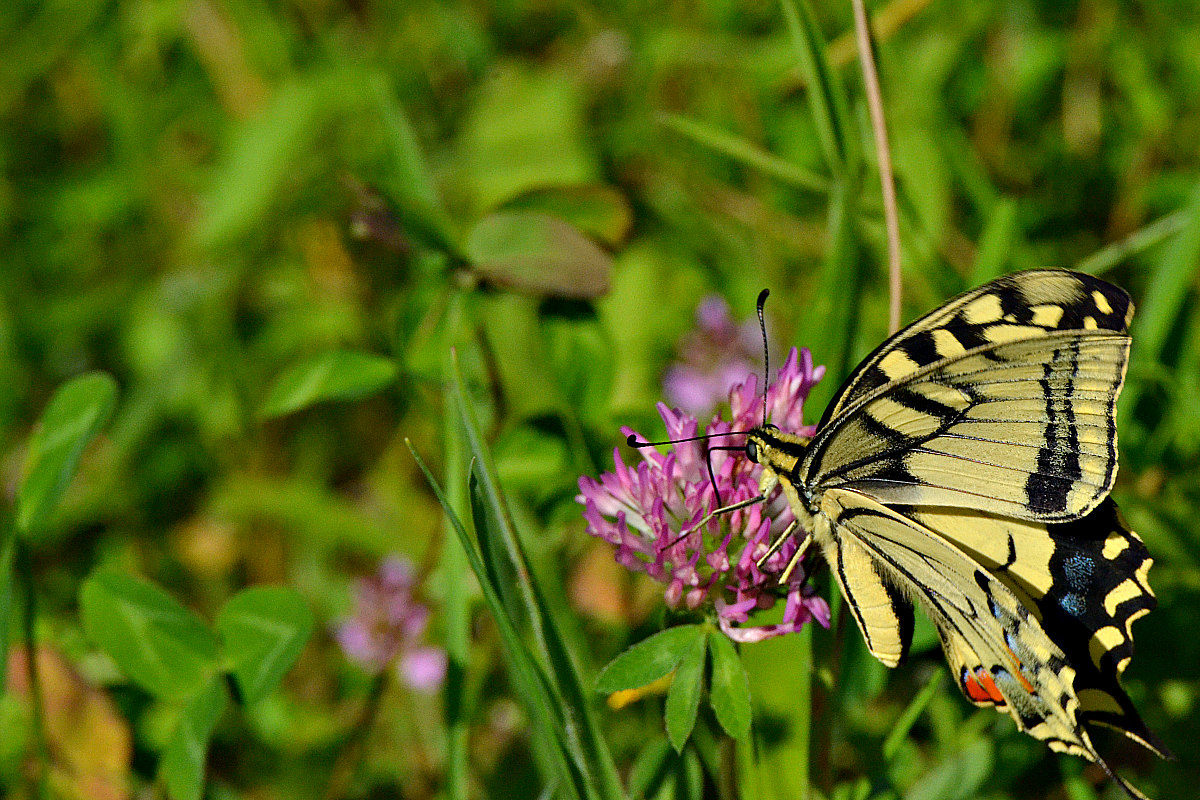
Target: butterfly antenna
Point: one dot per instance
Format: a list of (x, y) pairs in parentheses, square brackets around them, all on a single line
[(632, 440), (762, 325)]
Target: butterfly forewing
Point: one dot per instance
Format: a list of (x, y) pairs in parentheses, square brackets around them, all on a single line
[(1023, 428), (1024, 305)]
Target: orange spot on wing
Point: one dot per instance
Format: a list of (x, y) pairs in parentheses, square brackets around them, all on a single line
[(980, 687)]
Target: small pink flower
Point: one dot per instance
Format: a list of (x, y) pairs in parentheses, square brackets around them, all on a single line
[(718, 354), (387, 626), (649, 512)]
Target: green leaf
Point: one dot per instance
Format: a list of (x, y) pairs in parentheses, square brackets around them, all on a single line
[(649, 659), (183, 759), (538, 253), (730, 692), (683, 698), (599, 211), (73, 417), (262, 632), (155, 641), (335, 375)]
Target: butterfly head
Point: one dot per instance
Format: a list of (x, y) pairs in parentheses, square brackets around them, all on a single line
[(775, 450)]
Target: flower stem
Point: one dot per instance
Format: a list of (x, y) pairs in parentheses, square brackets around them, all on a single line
[(891, 213), (28, 618), (350, 758)]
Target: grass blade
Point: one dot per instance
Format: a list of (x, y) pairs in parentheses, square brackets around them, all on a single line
[(994, 253), (1169, 282), (746, 153), (582, 728), (1163, 301), (456, 612), (409, 183), (1140, 240), (909, 718), (529, 681), (826, 95)]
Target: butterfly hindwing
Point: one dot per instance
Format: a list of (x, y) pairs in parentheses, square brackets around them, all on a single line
[(982, 623), (883, 613), (1086, 583)]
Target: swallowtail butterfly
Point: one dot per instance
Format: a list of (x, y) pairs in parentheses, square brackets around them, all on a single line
[(964, 468)]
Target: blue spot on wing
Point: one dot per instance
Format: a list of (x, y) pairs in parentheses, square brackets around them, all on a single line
[(1078, 570), (1073, 603)]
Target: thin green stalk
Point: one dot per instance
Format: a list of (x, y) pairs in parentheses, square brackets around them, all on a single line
[(457, 600), (746, 152), (746, 766), (348, 761), (1142, 239), (891, 214), (803, 733), (28, 619)]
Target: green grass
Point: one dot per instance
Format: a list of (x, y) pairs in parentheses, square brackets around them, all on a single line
[(206, 199)]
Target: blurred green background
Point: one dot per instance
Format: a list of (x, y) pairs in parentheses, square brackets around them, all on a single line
[(196, 195)]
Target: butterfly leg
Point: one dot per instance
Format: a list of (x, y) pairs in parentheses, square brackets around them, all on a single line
[(796, 557), (778, 543), (711, 516)]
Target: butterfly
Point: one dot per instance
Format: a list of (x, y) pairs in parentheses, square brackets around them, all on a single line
[(964, 468)]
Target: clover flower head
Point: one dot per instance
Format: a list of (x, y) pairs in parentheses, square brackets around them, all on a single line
[(651, 512), (387, 625)]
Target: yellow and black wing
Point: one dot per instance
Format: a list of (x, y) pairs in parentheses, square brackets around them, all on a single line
[(1002, 652), (985, 405), (1023, 305), (965, 466), (1086, 582)]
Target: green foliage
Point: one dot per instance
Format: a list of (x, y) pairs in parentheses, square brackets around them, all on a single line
[(649, 659), (73, 417), (340, 375), (683, 699), (538, 253), (182, 766), (263, 630), (236, 212), (730, 689), (162, 646), (170, 652)]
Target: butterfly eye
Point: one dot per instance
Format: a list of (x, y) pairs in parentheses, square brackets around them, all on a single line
[(752, 450), (771, 426)]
